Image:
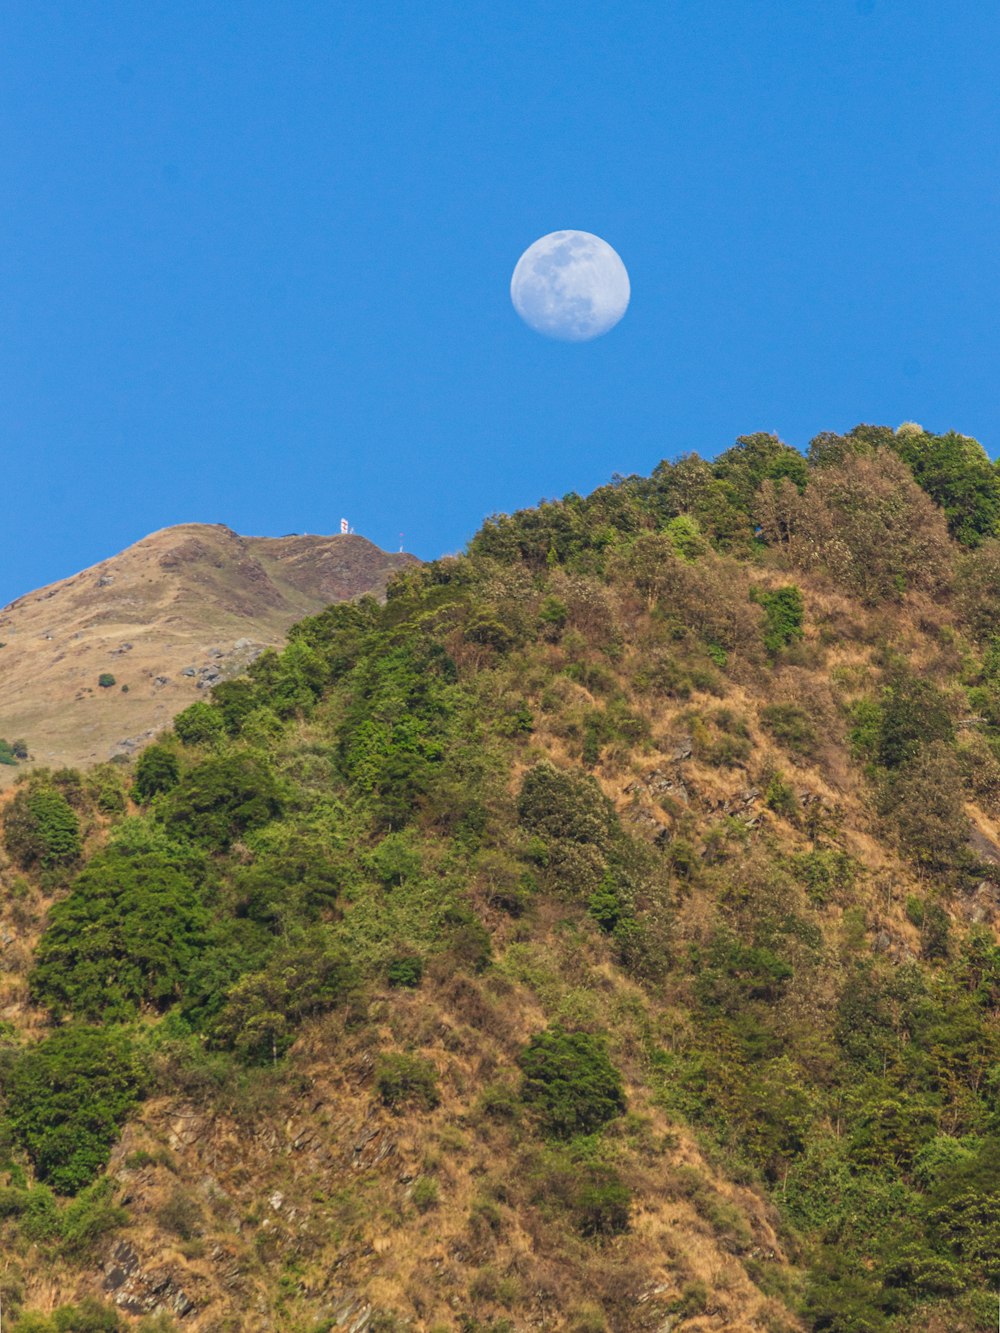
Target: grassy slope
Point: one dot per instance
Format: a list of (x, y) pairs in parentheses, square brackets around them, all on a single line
[(181, 597)]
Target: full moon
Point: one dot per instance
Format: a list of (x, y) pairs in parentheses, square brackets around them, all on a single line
[(570, 285)]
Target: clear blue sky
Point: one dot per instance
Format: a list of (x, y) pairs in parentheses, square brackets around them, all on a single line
[(254, 257)]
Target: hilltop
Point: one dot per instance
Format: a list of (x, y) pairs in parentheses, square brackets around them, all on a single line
[(166, 618), (599, 936)]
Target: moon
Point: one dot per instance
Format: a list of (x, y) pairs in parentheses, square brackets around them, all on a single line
[(570, 285)]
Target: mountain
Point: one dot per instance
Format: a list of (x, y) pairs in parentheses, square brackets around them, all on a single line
[(167, 618), (600, 935)]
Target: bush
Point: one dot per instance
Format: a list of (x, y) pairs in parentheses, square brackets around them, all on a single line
[(180, 1214), (67, 1098), (407, 1080), (106, 680), (425, 1194), (957, 473), (89, 1316), (41, 828), (570, 1082), (199, 724), (126, 934), (926, 808), (263, 1008), (406, 971), (783, 615), (602, 1204), (557, 804), (157, 771), (221, 799)]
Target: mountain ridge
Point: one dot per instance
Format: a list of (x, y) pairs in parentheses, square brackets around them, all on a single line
[(182, 608)]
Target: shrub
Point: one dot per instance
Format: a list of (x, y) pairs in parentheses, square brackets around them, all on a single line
[(180, 1214), (90, 1316), (199, 724), (157, 771), (783, 615), (126, 934), (41, 828), (780, 797), (570, 1082), (221, 799), (406, 971), (407, 1080), (106, 680), (824, 873), (67, 1098), (957, 473), (926, 808), (557, 804), (602, 1204), (263, 1008)]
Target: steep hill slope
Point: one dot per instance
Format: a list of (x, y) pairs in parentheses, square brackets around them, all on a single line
[(169, 616), (600, 936)]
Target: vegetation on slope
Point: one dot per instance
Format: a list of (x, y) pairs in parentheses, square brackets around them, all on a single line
[(662, 817)]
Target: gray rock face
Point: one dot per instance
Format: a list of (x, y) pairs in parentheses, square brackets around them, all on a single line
[(139, 1291)]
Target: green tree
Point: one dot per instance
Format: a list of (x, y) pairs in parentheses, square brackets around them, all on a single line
[(221, 799), (67, 1098), (200, 724), (157, 771), (41, 828), (570, 1082), (126, 934), (957, 473)]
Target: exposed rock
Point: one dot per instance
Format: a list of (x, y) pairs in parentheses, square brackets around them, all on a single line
[(138, 1291)]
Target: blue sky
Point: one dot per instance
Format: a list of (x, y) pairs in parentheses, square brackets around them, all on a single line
[(254, 258)]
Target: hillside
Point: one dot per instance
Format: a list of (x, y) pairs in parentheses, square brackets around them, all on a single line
[(601, 935), (167, 617)]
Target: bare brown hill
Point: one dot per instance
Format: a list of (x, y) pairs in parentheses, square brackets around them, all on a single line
[(167, 617)]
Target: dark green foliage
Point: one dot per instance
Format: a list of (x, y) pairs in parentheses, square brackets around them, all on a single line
[(8, 754), (221, 799), (783, 615), (41, 828), (199, 724), (843, 1297), (957, 474), (126, 934), (406, 971), (825, 873), (570, 1082), (754, 459), (779, 796), (690, 487), (910, 713), (67, 1098), (157, 771), (394, 735), (406, 1080), (105, 680)]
